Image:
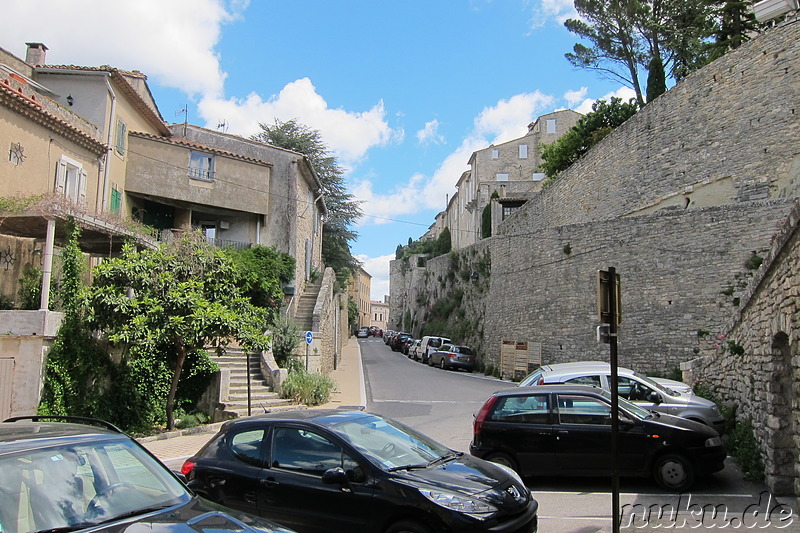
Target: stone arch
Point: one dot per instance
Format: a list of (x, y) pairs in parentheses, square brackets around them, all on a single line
[(782, 461)]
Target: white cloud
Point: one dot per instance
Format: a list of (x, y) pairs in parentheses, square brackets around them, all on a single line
[(573, 98), (378, 268), (172, 42), (175, 44), (545, 11), (506, 120), (347, 134), (430, 133), (623, 92)]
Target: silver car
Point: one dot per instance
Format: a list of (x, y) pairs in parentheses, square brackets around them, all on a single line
[(632, 386)]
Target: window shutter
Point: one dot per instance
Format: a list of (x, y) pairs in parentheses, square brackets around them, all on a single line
[(61, 177), (82, 186)]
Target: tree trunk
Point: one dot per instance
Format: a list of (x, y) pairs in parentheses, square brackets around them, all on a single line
[(180, 349)]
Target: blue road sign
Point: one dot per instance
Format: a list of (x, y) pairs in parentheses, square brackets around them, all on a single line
[(309, 337)]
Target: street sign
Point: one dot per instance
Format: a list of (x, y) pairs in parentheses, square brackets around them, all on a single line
[(309, 337), (604, 291)]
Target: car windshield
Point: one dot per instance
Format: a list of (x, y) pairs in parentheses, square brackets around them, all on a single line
[(67, 488), (390, 445), (630, 407), (656, 385)]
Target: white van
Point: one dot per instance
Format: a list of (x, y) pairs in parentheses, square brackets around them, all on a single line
[(429, 345)]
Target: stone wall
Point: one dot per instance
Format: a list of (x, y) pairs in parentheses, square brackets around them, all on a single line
[(681, 273), (726, 133), (754, 364)]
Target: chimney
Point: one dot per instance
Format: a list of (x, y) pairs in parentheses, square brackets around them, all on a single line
[(35, 54)]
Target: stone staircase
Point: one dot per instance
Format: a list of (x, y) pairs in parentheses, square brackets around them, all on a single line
[(304, 316), (262, 397)]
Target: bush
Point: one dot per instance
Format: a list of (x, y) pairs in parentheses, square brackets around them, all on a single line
[(308, 388)]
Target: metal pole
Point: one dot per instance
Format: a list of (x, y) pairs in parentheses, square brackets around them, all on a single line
[(612, 332), (249, 408)]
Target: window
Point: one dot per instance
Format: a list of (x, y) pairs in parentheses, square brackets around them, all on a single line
[(495, 153), (310, 453), (533, 409), (246, 446), (551, 125), (501, 177), (121, 137), (594, 381), (539, 176), (523, 151), (201, 166), (71, 179), (632, 390), (116, 199), (576, 409)]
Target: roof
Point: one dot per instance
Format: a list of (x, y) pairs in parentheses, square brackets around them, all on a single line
[(118, 77), (191, 144), (30, 107), (28, 435)]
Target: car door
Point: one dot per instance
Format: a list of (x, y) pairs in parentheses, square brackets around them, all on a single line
[(584, 437), (521, 425), (292, 491)]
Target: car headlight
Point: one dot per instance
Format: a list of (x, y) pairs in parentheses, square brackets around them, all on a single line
[(470, 506), (713, 441)]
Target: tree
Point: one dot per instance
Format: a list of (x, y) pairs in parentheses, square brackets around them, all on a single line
[(343, 209), (656, 81), (172, 302), (589, 130), (617, 48), (443, 243), (262, 273), (733, 23)]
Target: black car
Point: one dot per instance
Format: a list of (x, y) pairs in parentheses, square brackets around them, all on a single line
[(67, 476), (342, 471), (557, 430), (398, 340)]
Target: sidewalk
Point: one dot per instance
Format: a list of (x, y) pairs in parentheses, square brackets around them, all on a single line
[(176, 446)]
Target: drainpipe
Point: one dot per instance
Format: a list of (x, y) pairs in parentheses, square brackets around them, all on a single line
[(47, 268), (106, 172)]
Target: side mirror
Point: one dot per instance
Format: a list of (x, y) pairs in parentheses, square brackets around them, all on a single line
[(335, 476), (655, 397)]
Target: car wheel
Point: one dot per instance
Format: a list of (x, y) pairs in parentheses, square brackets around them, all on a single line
[(673, 471), (408, 526), (503, 459), (442, 365)]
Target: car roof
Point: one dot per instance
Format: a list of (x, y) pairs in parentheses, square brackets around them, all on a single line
[(583, 366), (551, 388), (320, 417), (27, 435)]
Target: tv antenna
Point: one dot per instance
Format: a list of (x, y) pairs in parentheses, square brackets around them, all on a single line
[(185, 112), (223, 125)]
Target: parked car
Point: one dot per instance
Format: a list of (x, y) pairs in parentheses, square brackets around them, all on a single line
[(387, 336), (632, 386), (431, 343), (397, 341), (363, 333), (565, 430), (406, 346), (453, 356), (69, 476), (413, 350), (336, 470)]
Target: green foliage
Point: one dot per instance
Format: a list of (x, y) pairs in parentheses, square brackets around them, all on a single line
[(167, 304), (656, 79), (590, 129), (352, 314), (30, 288), (754, 261), (735, 348), (443, 243), (486, 222), (285, 338), (262, 273), (308, 388), (743, 446), (76, 370), (398, 252), (733, 22)]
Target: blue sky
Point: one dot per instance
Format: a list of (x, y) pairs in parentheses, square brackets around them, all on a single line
[(403, 92)]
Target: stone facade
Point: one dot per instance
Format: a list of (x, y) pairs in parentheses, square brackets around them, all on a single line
[(761, 378)]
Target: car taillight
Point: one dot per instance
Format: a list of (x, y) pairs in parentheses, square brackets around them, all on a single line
[(482, 414), (541, 381), (187, 467)]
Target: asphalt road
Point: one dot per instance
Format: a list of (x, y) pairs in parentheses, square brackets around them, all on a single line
[(441, 404)]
